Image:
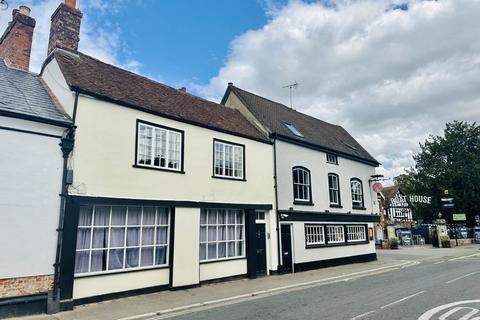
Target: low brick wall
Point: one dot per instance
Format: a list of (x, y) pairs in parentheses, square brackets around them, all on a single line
[(14, 287)]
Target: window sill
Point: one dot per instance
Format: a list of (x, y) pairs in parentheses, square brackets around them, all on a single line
[(336, 206), (359, 208), (118, 271), (227, 178), (158, 169), (336, 164), (223, 260), (303, 203)]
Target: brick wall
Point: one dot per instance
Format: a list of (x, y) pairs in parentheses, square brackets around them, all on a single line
[(24, 286), (16, 41)]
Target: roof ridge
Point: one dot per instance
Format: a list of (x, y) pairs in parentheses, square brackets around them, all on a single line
[(284, 106)]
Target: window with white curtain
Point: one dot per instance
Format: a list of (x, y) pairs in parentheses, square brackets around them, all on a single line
[(357, 193), (159, 147), (121, 237), (356, 233), (221, 234), (335, 234), (228, 160), (301, 184)]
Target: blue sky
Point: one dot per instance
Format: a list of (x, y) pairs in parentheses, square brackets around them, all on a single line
[(181, 41)]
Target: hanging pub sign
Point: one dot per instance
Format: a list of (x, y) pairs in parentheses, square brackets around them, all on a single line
[(377, 187), (411, 198)]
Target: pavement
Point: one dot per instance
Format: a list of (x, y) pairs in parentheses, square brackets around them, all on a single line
[(401, 284)]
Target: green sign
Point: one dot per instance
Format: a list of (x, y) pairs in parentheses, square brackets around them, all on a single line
[(459, 217)]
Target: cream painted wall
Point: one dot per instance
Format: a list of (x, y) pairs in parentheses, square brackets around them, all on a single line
[(301, 254), (222, 269), (186, 243), (290, 155), (105, 151), (118, 282)]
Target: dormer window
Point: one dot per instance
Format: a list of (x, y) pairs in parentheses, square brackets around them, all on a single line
[(331, 158), (294, 130)]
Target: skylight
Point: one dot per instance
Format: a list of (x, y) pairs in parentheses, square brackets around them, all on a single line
[(294, 130)]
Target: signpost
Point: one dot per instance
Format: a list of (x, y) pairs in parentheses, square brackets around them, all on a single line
[(448, 205)]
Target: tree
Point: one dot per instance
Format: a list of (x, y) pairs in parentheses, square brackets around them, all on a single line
[(449, 162)]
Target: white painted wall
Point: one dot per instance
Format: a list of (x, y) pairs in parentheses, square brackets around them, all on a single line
[(290, 155), (301, 254), (118, 282), (187, 247), (30, 184), (222, 269)]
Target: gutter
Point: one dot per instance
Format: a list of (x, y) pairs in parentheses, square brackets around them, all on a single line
[(66, 145)]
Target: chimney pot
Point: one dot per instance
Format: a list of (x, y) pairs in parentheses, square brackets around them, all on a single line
[(71, 3), (25, 10), (183, 89)]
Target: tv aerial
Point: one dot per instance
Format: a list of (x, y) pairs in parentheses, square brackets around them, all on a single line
[(291, 87), (3, 5)]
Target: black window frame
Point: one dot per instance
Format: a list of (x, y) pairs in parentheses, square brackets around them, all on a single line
[(339, 204), (362, 206), (345, 241), (332, 155), (182, 147), (302, 202), (244, 178)]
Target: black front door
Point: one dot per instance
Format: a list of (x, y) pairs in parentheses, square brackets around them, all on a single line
[(286, 248), (261, 249)]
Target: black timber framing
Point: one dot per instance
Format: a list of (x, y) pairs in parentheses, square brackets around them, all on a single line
[(288, 215)]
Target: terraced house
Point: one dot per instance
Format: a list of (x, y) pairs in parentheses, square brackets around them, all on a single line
[(325, 206), (167, 190)]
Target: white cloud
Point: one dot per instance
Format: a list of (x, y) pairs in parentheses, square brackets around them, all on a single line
[(100, 39), (390, 77)]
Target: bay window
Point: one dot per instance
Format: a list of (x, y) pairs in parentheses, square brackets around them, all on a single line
[(121, 237)]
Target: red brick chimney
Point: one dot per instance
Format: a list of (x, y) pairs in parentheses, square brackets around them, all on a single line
[(65, 27), (16, 41)]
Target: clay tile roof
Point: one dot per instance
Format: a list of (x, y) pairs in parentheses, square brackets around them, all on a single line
[(274, 116), (104, 81)]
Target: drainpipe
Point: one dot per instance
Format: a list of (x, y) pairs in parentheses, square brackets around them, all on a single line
[(66, 145), (276, 199)]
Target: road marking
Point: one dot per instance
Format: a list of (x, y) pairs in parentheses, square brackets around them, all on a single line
[(438, 262), (282, 289), (464, 276), (363, 315), (434, 312), (463, 257), (403, 299)]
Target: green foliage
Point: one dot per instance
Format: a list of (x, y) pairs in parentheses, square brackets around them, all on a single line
[(393, 242), (449, 162)]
